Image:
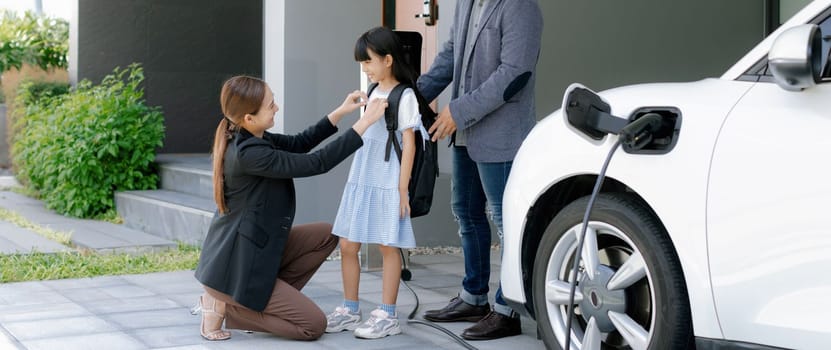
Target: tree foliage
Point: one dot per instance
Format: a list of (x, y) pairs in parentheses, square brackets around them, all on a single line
[(33, 39)]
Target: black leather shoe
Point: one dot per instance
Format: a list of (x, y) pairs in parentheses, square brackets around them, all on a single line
[(493, 326), (457, 310)]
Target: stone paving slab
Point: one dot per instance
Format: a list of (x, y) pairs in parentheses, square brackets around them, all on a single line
[(110, 340), (150, 311), (15, 239), (92, 234), (8, 180), (58, 327)]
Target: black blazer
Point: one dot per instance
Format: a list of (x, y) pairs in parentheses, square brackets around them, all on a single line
[(243, 249)]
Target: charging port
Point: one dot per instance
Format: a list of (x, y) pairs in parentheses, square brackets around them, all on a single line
[(664, 138)]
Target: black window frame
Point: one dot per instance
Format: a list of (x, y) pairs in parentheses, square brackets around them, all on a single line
[(772, 20)]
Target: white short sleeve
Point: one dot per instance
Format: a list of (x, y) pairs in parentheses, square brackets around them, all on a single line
[(408, 114)]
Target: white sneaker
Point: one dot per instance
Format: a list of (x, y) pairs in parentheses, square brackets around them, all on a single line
[(342, 319), (380, 324)]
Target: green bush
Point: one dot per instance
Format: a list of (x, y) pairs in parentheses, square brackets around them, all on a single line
[(31, 92), (77, 149)]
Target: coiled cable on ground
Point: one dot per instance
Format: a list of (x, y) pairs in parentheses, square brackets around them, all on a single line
[(406, 275)]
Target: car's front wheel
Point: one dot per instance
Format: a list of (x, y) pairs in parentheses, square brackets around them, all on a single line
[(630, 291)]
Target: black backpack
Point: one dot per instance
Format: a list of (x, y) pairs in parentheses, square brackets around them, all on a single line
[(425, 163)]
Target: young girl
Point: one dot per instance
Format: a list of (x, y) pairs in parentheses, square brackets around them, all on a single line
[(375, 206)]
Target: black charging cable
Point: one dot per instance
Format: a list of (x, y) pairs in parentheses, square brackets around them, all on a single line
[(405, 276), (579, 250), (636, 135)]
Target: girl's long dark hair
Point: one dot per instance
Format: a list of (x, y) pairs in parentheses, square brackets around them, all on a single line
[(240, 95), (384, 41)]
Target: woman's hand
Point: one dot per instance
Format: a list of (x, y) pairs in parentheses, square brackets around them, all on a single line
[(404, 206), (353, 101), (374, 111)]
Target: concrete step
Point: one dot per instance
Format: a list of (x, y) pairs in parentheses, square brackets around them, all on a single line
[(97, 235), (186, 173), (18, 240), (167, 214)]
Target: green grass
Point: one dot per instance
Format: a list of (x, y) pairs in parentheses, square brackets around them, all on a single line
[(40, 266), (110, 216), (22, 190), (36, 266), (15, 218)]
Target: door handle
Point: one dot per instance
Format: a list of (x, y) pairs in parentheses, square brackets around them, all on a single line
[(430, 13)]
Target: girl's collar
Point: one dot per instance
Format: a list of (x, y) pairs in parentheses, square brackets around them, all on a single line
[(381, 88)]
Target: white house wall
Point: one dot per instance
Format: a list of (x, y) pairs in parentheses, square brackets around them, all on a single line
[(309, 63)]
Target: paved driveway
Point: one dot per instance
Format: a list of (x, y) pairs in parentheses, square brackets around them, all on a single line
[(150, 311)]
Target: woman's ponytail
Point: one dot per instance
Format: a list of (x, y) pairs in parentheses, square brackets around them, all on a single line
[(220, 144), (240, 95)]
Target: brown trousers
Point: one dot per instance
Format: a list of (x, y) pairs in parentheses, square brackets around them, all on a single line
[(289, 313)]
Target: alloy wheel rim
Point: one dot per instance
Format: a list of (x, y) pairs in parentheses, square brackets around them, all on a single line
[(618, 271)]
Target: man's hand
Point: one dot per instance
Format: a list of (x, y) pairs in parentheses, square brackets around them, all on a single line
[(404, 204), (444, 125)]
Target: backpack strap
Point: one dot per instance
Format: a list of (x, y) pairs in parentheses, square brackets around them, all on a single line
[(370, 89), (391, 117)]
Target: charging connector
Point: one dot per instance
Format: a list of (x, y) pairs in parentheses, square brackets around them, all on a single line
[(651, 130), (638, 133)]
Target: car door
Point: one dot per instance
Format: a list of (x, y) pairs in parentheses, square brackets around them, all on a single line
[(769, 215)]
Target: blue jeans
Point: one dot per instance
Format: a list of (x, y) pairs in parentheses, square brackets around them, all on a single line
[(476, 194)]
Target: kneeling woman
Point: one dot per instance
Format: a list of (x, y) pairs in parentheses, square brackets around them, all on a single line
[(254, 262)]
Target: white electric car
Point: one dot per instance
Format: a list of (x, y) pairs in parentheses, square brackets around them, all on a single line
[(711, 229)]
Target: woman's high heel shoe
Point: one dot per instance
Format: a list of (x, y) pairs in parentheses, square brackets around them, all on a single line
[(214, 314)]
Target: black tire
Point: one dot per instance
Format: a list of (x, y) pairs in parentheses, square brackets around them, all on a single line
[(657, 302)]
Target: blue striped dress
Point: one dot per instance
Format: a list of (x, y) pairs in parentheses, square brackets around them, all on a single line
[(369, 207)]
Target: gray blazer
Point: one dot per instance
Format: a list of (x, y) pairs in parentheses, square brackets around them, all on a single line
[(497, 109)]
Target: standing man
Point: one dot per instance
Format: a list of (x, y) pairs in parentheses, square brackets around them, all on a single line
[(490, 60)]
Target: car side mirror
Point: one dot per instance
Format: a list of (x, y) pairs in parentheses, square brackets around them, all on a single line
[(795, 58)]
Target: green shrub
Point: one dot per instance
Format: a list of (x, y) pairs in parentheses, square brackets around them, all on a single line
[(79, 148), (31, 92)]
